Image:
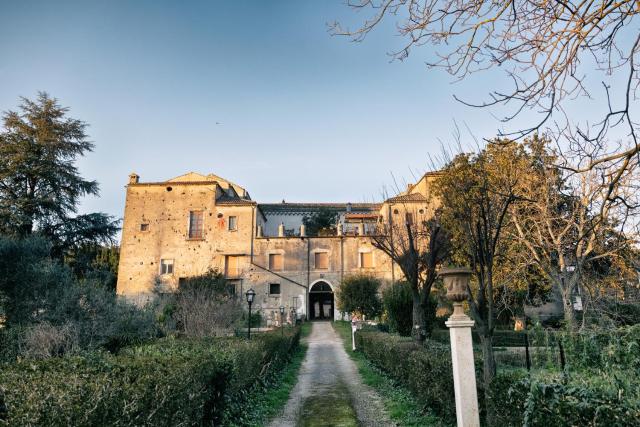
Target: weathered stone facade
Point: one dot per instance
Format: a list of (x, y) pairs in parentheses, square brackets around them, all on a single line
[(186, 225)]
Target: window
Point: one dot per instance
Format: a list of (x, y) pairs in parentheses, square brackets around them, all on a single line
[(366, 259), (409, 218), (322, 261), (144, 227), (232, 266), (166, 266), (276, 262), (274, 289), (233, 223), (196, 225)]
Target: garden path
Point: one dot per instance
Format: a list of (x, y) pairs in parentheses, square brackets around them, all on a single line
[(329, 391)]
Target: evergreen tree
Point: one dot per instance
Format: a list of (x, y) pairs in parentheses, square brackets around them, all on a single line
[(40, 186), (322, 221)]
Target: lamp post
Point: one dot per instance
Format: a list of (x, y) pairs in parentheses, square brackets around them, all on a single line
[(456, 280), (250, 294), (282, 320)]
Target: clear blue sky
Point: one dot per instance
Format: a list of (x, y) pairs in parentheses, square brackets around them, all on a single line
[(303, 116)]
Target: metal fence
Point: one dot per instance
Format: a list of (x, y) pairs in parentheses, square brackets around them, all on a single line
[(540, 349)]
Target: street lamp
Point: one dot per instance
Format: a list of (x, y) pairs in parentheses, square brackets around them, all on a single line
[(250, 294), (282, 320)]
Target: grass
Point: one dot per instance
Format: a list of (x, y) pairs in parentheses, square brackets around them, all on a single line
[(402, 408), (332, 408), (267, 402)]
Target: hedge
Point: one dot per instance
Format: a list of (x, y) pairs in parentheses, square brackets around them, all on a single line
[(169, 382), (426, 372)]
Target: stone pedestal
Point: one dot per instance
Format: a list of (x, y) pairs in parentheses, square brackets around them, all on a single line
[(464, 374)]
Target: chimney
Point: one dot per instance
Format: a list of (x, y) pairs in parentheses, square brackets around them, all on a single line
[(281, 230), (134, 178), (303, 230), (339, 227), (259, 231), (349, 207)]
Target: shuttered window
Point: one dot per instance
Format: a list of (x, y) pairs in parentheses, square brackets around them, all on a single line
[(322, 261), (276, 262), (233, 223), (366, 259), (196, 224), (233, 266)]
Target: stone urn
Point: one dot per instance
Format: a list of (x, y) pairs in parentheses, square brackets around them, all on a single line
[(456, 280)]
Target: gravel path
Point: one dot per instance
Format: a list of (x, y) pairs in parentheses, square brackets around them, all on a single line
[(329, 391)]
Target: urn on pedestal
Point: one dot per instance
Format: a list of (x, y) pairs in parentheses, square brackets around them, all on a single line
[(456, 280)]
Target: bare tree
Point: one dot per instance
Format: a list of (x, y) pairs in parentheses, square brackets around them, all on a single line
[(205, 306), (418, 244), (547, 50), (567, 222)]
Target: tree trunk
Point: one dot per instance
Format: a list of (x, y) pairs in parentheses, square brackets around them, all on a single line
[(419, 330), (488, 372), (569, 313)]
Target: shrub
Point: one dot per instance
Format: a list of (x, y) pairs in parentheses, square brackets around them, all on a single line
[(45, 340), (506, 397), (425, 371), (204, 306), (359, 294), (28, 277), (580, 402), (604, 350), (100, 318), (398, 307), (168, 382)]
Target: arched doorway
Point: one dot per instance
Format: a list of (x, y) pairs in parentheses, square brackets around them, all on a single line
[(321, 301)]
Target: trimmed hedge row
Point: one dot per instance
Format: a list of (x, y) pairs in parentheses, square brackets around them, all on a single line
[(426, 372), (169, 382)]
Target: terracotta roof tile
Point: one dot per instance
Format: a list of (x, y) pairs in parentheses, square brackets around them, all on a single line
[(313, 207), (411, 198)]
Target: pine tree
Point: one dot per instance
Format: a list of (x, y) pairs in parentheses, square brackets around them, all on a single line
[(40, 186)]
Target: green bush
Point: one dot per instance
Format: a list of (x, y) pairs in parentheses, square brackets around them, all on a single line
[(425, 371), (580, 401), (398, 307), (506, 397), (47, 312), (359, 294), (603, 350), (170, 382), (28, 276)]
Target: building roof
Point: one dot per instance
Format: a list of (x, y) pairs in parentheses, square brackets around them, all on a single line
[(408, 198), (192, 177), (285, 207), (369, 216), (233, 201)]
